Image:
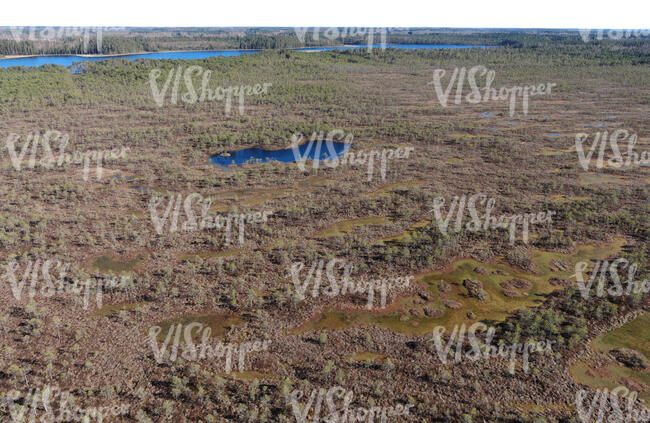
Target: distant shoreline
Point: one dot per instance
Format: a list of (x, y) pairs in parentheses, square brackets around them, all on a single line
[(164, 51), (310, 50), (120, 54)]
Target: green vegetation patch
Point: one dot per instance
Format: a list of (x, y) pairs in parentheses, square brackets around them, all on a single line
[(347, 226), (450, 305), (219, 323), (111, 309), (109, 263)]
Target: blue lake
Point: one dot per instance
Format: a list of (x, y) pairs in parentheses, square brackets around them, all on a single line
[(311, 150), (188, 55), (69, 60)]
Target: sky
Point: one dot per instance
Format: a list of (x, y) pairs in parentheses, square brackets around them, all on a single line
[(621, 14)]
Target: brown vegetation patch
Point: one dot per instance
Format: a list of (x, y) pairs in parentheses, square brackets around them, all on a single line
[(481, 270), (630, 358), (559, 265), (454, 305), (475, 289), (444, 287), (517, 283), (559, 282), (634, 384), (433, 312)]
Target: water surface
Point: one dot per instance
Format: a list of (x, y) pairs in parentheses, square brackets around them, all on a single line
[(311, 150), (197, 54), (69, 60)]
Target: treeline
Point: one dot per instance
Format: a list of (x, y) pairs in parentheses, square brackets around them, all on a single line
[(509, 38), (10, 47), (281, 41), (107, 45), (120, 45), (94, 43)]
